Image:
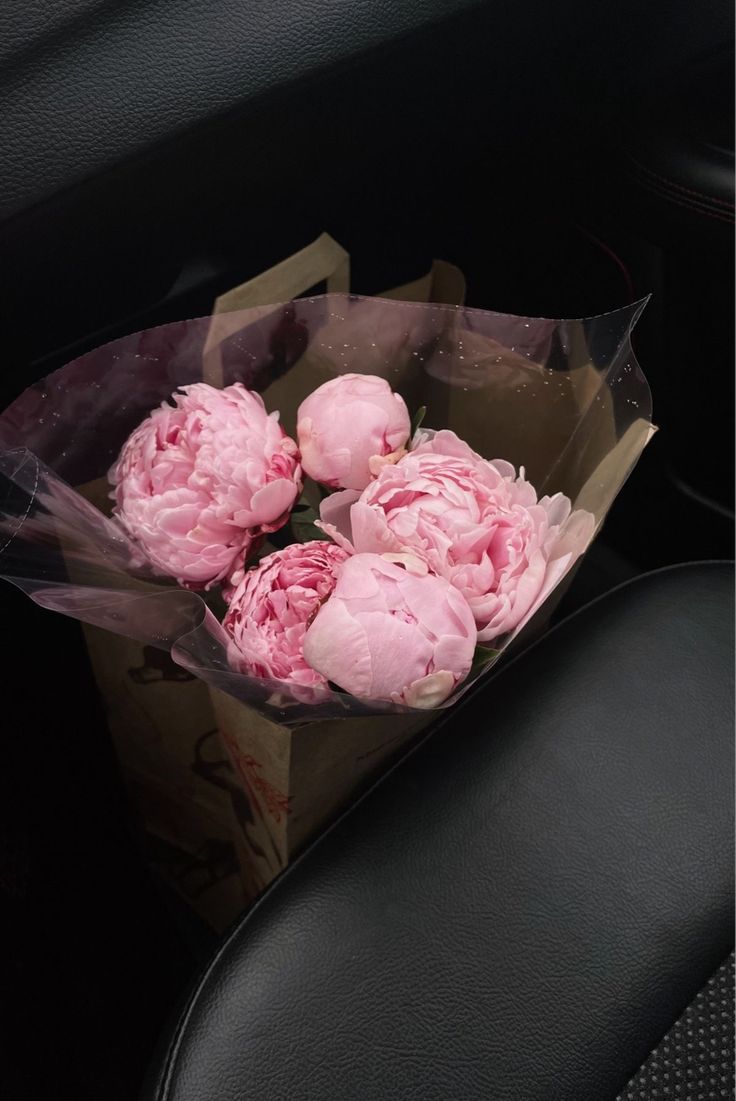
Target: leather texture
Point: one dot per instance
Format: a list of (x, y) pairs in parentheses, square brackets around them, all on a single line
[(99, 83), (88, 84), (143, 138), (684, 162), (696, 1057), (695, 178), (524, 906)]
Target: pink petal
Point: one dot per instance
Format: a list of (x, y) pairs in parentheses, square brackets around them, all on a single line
[(271, 502), (371, 533), (335, 511), (336, 646), (429, 691)]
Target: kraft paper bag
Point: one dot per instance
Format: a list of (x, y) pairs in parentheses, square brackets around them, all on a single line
[(228, 795), (228, 798), (299, 778)]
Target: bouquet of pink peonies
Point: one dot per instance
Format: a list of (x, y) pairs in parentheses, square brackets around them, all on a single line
[(436, 549), (341, 508)]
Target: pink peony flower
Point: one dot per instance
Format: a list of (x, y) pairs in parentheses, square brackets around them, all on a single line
[(349, 427), (271, 607), (198, 481), (474, 522), (392, 633)]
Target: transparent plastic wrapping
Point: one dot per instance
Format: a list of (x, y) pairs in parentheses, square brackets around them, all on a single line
[(565, 399)]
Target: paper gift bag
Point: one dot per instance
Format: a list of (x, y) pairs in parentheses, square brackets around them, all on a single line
[(179, 777), (226, 796), (231, 791), (298, 779)]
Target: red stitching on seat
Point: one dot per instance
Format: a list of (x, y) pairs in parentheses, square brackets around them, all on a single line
[(688, 205), (681, 187)]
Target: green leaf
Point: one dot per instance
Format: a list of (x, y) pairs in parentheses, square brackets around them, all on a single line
[(304, 514), (416, 423), (277, 540), (483, 656), (302, 524)]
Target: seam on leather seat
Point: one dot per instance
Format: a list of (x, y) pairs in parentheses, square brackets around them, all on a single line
[(705, 205), (686, 204), (689, 204), (681, 187), (165, 1081), (695, 208), (677, 193)]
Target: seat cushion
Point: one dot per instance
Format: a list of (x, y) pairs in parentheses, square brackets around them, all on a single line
[(523, 907), (681, 161), (696, 1057)]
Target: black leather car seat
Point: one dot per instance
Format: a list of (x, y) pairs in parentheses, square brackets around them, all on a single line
[(679, 188), (682, 158), (524, 906)]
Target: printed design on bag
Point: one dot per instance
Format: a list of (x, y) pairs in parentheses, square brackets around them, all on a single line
[(195, 873), (157, 666), (220, 773), (276, 802)]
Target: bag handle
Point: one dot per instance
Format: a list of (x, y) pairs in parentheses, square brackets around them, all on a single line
[(322, 261), (444, 283)]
